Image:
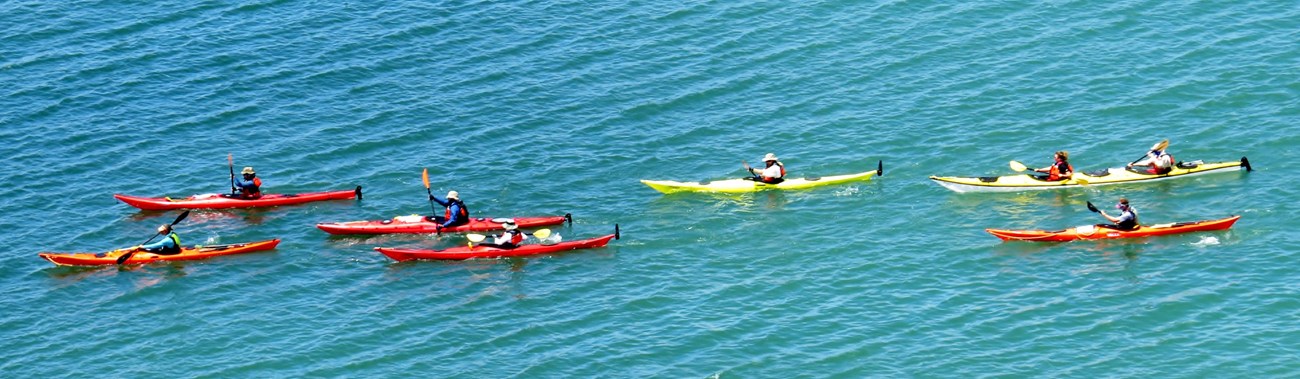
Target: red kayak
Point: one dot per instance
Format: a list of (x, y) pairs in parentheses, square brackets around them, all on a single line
[(1091, 232), (187, 253), (215, 200), (465, 252), (423, 224)]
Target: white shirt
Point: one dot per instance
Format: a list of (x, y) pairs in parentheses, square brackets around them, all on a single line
[(1164, 160), (772, 172)]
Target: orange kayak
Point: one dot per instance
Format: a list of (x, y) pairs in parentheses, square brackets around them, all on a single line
[(1092, 232), (187, 253)]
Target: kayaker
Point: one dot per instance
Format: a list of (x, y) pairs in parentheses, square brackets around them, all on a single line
[(1127, 220), (250, 186), (1158, 161), (509, 239), (457, 213), (170, 245), (773, 173), (1059, 170)]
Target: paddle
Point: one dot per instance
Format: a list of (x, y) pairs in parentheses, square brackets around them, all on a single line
[(1093, 208), (425, 176), (1017, 166), (476, 238), (230, 158), (122, 259), (1159, 146), (748, 169)]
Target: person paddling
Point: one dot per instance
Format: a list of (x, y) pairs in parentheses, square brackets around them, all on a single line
[(1060, 169), (511, 238), (171, 245), (1127, 220), (250, 186), (1158, 161), (457, 213), (773, 173)]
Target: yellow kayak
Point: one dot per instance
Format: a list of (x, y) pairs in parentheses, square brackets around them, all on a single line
[(743, 185), (1030, 182)]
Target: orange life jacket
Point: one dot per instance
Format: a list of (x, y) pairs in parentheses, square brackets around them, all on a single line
[(1054, 173), (464, 211)]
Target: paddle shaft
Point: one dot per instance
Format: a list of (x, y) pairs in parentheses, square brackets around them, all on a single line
[(230, 159)]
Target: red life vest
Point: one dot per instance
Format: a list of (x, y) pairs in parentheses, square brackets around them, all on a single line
[(1054, 173), (464, 211), (252, 192), (516, 237), (1155, 170)]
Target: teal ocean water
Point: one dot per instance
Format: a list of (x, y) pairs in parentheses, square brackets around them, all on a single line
[(534, 108)]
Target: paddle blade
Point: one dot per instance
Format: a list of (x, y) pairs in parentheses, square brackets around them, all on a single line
[(230, 158), (1017, 166), (542, 233), (1093, 208), (183, 215), (1162, 145), (426, 178), (475, 237), (122, 259)]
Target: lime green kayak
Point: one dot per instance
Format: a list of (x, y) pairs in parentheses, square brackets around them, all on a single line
[(743, 185), (1107, 176)]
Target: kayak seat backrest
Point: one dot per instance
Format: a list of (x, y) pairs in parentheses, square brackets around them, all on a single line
[(988, 179), (386, 222), (813, 178), (1189, 165), (1099, 173)]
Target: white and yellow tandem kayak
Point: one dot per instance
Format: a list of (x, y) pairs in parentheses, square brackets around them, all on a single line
[(744, 185), (1031, 182)]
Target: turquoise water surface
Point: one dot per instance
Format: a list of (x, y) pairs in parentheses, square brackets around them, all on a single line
[(539, 108)]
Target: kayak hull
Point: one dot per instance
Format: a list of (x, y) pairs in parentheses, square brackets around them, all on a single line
[(746, 186), (465, 252), (1028, 182), (216, 201), (422, 224), (189, 253), (1092, 232)]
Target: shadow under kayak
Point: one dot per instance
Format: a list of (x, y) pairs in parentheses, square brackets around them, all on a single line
[(479, 251)]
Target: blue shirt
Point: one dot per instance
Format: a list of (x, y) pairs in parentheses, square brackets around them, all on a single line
[(454, 208), (166, 243)]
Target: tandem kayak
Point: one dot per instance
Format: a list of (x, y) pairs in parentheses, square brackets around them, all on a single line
[(216, 200), (187, 253), (1107, 176), (1092, 232), (424, 224), (479, 251), (744, 185)]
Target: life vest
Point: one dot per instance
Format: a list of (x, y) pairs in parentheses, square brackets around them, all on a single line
[(254, 191), (464, 211), (1132, 224), (516, 237), (174, 249), (1155, 169), (779, 165), (1054, 173)]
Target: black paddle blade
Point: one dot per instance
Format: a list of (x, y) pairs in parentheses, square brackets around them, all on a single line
[(616, 233), (183, 215), (880, 168), (122, 259), (1093, 207)]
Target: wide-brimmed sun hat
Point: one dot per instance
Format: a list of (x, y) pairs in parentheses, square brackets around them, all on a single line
[(248, 170), (453, 195), (769, 157)]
